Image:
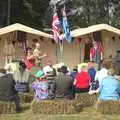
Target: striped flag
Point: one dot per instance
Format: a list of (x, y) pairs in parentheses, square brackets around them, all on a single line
[(56, 27), (66, 27)]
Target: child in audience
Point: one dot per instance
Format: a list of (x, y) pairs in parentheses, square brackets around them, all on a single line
[(41, 86)]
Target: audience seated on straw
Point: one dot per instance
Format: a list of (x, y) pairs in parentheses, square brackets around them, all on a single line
[(41, 86), (7, 89), (74, 72), (11, 67), (100, 75), (92, 72), (63, 85), (50, 74), (21, 76), (109, 87), (103, 71), (82, 79)]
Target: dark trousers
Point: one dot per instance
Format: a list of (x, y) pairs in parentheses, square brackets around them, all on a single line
[(17, 103), (79, 90)]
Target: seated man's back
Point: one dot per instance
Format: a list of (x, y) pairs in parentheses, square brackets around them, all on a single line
[(7, 89), (63, 85)]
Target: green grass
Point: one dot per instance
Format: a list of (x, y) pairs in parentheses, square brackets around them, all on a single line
[(86, 114)]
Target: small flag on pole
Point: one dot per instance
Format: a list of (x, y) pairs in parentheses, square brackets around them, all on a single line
[(66, 27), (56, 27)]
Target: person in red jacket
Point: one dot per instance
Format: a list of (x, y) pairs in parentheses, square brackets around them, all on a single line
[(82, 81)]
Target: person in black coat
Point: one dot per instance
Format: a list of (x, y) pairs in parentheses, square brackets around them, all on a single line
[(63, 85), (7, 89)]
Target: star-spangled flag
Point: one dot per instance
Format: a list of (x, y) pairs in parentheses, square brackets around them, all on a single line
[(56, 27), (66, 27)]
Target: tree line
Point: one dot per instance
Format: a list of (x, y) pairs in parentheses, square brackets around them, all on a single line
[(81, 13)]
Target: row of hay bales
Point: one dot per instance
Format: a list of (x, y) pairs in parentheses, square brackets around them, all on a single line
[(108, 107), (81, 101), (63, 106), (7, 107), (55, 107)]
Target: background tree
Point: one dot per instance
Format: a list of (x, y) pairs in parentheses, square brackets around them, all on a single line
[(81, 13)]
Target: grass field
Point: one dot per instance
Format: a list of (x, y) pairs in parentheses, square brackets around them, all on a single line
[(86, 114)]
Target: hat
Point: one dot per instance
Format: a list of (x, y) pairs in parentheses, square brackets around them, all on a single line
[(39, 74), (63, 69), (47, 69)]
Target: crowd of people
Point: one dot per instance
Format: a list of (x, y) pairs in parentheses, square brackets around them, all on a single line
[(50, 83)]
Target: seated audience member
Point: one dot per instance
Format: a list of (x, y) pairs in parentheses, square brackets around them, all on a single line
[(109, 87), (21, 77), (91, 70), (11, 67), (7, 89), (63, 85), (74, 72), (49, 71), (82, 80), (50, 77), (100, 75), (41, 86), (92, 73), (102, 72)]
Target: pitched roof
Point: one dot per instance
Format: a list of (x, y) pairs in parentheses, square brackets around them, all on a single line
[(83, 31), (20, 27)]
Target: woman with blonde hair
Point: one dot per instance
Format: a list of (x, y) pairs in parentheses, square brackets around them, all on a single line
[(82, 80)]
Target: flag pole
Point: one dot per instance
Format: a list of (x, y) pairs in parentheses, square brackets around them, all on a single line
[(60, 46), (61, 51), (62, 43)]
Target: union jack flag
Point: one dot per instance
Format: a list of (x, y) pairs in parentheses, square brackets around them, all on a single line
[(56, 27)]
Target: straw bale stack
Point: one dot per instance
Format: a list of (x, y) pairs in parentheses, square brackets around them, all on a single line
[(86, 99), (25, 97), (55, 107), (7, 107), (108, 107)]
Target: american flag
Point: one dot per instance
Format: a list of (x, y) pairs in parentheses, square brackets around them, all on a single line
[(56, 27)]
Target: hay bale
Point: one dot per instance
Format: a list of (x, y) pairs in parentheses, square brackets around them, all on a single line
[(108, 107), (86, 99), (25, 97), (7, 107), (55, 107)]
